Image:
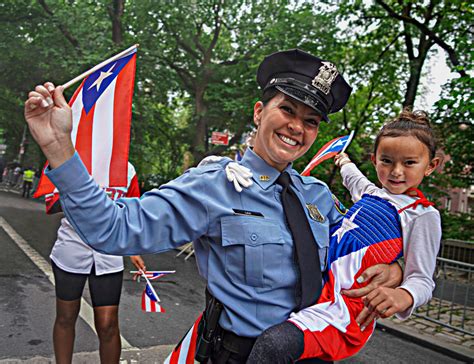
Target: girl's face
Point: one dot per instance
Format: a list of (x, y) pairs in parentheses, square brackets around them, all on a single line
[(402, 163), (286, 130)]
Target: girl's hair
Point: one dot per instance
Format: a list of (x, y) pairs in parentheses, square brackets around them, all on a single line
[(409, 123)]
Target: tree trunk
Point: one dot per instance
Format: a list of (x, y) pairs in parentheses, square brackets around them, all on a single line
[(116, 12), (199, 142)]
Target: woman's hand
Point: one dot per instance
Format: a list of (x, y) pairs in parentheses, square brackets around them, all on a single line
[(139, 263), (49, 119), (380, 275)]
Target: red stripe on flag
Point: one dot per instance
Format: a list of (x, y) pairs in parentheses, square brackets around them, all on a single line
[(45, 186), (122, 118), (84, 138), (74, 96), (192, 344)]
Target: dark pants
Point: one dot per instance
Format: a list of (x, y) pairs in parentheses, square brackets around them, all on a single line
[(27, 188)]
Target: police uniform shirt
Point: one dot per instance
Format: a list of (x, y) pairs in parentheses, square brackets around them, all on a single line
[(72, 255), (242, 243)]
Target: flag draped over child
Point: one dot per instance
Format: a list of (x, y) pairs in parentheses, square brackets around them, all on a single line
[(329, 150), (101, 112)]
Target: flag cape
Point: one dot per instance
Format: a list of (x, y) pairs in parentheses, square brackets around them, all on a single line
[(101, 113), (369, 234), (329, 150)]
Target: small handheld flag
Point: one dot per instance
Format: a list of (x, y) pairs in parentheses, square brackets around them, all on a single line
[(150, 300), (101, 114), (329, 150)]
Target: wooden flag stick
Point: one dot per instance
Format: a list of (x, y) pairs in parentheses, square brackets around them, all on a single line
[(99, 66)]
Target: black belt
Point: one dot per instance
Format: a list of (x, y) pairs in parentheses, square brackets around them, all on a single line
[(240, 345)]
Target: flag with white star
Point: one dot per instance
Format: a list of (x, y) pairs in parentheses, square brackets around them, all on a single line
[(101, 112), (328, 150)]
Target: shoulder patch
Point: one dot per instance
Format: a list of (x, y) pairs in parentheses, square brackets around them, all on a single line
[(339, 206)]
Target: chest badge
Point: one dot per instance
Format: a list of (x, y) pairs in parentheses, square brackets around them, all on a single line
[(314, 213), (264, 178)]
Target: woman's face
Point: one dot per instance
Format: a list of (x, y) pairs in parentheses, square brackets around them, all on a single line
[(286, 130)]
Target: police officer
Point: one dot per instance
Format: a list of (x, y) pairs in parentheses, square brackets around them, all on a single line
[(244, 242)]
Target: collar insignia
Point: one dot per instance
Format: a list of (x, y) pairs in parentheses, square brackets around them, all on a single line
[(339, 206), (325, 77), (314, 213), (264, 178)]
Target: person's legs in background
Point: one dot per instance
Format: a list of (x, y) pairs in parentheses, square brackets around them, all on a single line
[(69, 287), (105, 294)]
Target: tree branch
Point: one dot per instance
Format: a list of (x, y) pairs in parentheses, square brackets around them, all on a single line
[(61, 27), (428, 32)]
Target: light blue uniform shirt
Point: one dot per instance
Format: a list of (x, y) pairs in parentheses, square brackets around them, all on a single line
[(243, 245)]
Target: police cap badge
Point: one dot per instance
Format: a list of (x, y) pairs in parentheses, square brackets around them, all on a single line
[(306, 78)]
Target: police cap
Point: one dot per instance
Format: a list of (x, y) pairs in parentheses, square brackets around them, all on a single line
[(306, 78)]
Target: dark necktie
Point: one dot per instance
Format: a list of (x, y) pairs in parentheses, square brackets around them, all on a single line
[(305, 245)]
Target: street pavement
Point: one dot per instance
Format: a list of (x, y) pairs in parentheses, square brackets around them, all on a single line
[(27, 302)]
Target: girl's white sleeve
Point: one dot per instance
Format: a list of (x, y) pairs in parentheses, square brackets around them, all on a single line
[(422, 238), (356, 183)]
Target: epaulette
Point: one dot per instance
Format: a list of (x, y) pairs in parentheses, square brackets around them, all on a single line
[(214, 166)]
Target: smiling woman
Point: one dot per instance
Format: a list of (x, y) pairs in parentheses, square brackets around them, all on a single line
[(258, 268)]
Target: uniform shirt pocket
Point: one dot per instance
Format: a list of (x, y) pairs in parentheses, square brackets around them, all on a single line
[(253, 250), (321, 235)]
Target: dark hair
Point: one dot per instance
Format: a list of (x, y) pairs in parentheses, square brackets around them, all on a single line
[(410, 123), (268, 94)]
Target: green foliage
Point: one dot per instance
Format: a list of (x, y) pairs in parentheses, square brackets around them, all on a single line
[(457, 226), (196, 70)]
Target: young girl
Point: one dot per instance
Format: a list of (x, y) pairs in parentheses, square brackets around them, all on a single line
[(382, 223)]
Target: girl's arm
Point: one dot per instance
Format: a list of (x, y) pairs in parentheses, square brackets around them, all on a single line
[(353, 179), (422, 239)]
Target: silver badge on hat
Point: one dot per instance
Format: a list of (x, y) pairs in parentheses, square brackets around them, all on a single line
[(314, 213), (325, 77)]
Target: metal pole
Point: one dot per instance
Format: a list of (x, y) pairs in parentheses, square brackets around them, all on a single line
[(22, 145)]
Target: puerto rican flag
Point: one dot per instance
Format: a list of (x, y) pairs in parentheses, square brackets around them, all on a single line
[(329, 150), (153, 275), (184, 352), (150, 300), (101, 113), (369, 234)]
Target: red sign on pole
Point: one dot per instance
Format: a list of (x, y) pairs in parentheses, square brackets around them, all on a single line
[(219, 138)]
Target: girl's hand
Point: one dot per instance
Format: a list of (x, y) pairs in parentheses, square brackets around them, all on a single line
[(139, 263), (385, 302), (341, 159), (49, 119)]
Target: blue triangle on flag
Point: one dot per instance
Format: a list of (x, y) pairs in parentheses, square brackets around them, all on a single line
[(91, 92)]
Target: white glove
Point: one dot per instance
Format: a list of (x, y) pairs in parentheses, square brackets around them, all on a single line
[(209, 160), (241, 176)]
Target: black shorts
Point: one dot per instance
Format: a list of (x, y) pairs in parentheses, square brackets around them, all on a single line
[(105, 289)]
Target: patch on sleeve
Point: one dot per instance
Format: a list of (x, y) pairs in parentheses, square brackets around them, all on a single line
[(339, 206)]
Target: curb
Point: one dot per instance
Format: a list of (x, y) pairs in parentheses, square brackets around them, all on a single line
[(454, 351)]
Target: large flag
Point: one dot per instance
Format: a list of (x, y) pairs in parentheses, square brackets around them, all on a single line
[(329, 150), (101, 113)]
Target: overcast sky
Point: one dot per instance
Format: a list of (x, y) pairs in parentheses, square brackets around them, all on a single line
[(436, 74)]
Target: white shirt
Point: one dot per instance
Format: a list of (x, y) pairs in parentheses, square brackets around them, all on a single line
[(421, 231), (71, 254)]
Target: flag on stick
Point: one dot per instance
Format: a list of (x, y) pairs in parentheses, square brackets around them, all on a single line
[(101, 113), (329, 150), (150, 301)]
